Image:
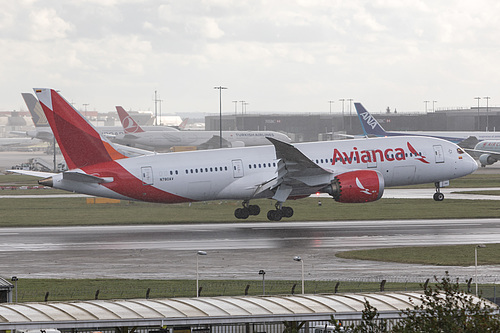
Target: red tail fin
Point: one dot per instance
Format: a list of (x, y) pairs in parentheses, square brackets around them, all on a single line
[(128, 123), (78, 140)]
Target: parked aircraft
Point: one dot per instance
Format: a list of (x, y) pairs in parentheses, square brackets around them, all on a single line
[(18, 142), (487, 151), (44, 132), (136, 136), (467, 139), (351, 171)]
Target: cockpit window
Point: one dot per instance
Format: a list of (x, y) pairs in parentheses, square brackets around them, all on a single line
[(460, 151)]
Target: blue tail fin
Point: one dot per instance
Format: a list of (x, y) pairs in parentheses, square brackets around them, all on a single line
[(371, 126)]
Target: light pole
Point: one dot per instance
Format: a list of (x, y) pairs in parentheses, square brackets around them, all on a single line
[(350, 114), (433, 106), (297, 258), (343, 119), (487, 98), (475, 262), (199, 253), (330, 106), (478, 98), (235, 107), (14, 279), (263, 273), (425, 102), (220, 113)]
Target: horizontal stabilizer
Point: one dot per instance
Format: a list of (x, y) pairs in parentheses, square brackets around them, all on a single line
[(84, 178), (33, 173)]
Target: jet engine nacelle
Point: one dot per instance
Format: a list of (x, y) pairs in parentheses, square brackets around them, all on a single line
[(357, 186), (487, 159)]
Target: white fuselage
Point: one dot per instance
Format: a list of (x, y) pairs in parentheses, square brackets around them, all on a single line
[(169, 139), (239, 172)]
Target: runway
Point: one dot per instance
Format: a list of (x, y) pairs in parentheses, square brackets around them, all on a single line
[(237, 251)]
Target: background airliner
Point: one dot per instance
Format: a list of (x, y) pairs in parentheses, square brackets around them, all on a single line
[(467, 139), (135, 136), (44, 132), (351, 171), (487, 151)]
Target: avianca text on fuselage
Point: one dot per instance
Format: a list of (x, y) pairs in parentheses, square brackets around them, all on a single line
[(375, 155)]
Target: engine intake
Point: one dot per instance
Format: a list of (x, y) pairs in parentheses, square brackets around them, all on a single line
[(357, 186), (487, 159)]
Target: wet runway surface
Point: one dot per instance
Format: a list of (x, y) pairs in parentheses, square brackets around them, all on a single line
[(237, 251)]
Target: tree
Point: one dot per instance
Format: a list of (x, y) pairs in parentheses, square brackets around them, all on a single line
[(445, 308), (370, 322)]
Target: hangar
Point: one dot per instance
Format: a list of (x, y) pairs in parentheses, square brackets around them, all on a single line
[(246, 314)]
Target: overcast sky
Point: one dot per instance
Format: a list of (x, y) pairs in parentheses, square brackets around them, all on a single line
[(279, 56)]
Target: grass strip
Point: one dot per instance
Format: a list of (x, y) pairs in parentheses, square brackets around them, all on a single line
[(28, 212), (445, 255)]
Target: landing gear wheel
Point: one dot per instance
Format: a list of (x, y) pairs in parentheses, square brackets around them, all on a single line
[(287, 211), (241, 213), (438, 196), (254, 209), (275, 215)]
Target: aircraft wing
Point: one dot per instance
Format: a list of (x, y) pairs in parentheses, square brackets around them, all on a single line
[(214, 142), (494, 154), (38, 174), (131, 151), (296, 171)]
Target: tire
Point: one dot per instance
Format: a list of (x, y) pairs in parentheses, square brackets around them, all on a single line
[(438, 196), (274, 215), (241, 213), (254, 209), (287, 211)]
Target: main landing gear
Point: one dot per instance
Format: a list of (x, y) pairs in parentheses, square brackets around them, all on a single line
[(280, 212), (273, 215), (438, 196), (246, 211)]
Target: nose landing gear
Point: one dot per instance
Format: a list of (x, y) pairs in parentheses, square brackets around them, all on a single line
[(438, 196)]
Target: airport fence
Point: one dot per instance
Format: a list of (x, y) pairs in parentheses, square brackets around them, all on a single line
[(64, 290)]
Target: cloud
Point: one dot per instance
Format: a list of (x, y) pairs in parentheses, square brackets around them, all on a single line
[(47, 25)]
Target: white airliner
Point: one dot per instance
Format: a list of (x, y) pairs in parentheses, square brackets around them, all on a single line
[(371, 127), (352, 171), (44, 132), (136, 136), (487, 151)]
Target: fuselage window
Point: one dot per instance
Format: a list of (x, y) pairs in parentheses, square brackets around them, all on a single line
[(215, 168), (269, 164), (171, 172), (260, 165), (249, 166), (191, 170), (176, 172), (225, 168), (211, 169), (187, 171)]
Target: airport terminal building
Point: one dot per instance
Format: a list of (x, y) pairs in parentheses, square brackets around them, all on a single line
[(306, 127)]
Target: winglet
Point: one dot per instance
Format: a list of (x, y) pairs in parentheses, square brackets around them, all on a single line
[(128, 123), (79, 141), (369, 124)]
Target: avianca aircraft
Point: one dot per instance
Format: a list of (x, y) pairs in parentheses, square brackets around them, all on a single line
[(351, 170), (371, 127), (136, 136)]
